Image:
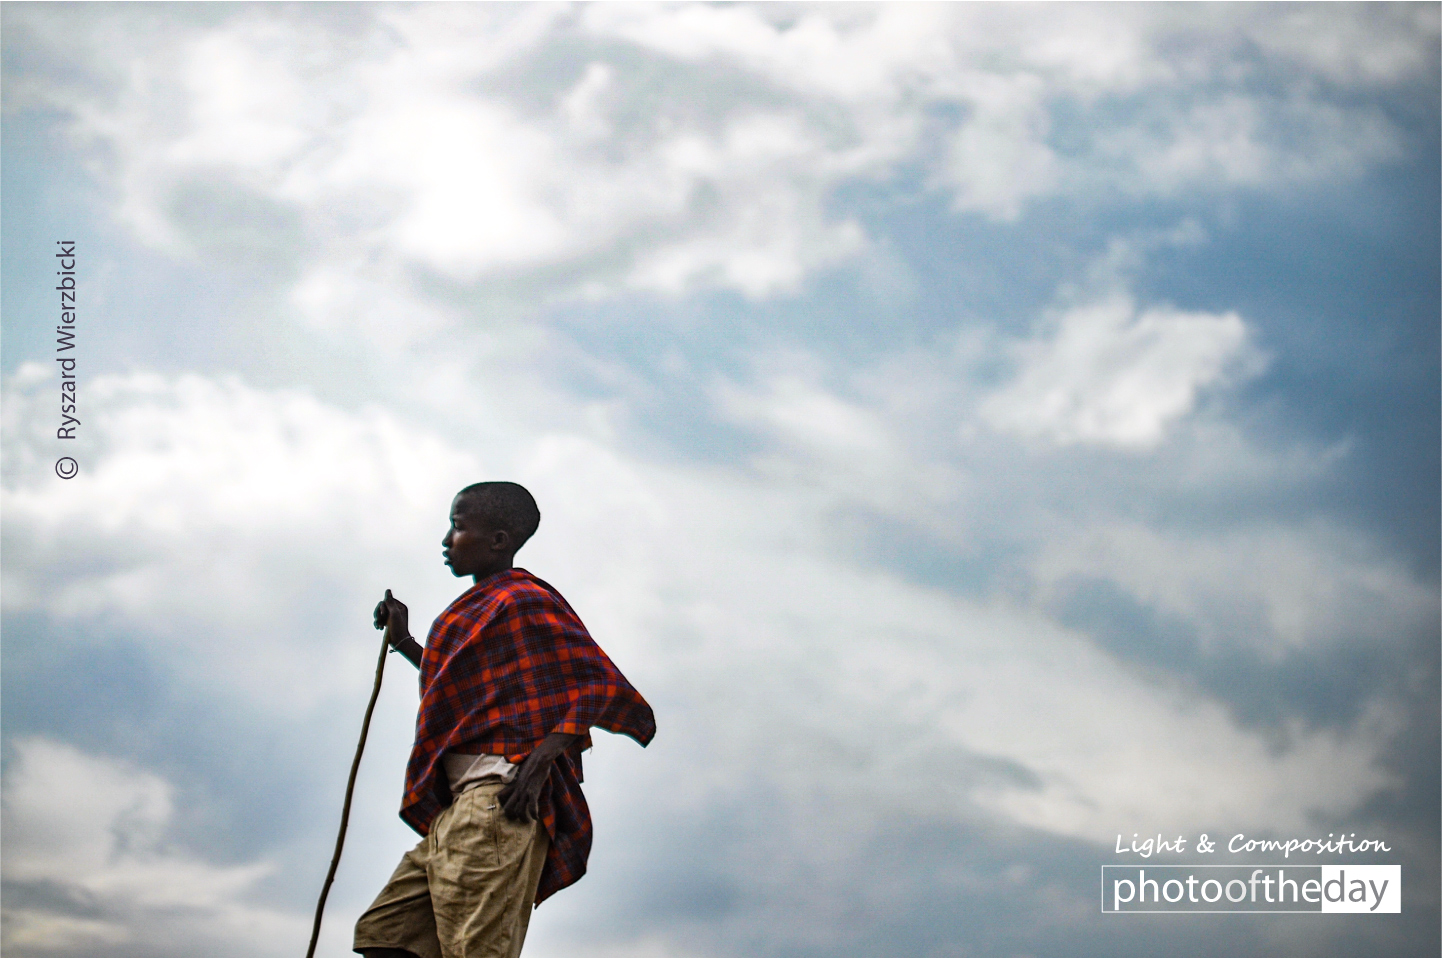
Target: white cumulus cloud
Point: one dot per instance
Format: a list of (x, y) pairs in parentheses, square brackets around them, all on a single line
[(683, 148), (1276, 589), (1108, 373), (97, 830)]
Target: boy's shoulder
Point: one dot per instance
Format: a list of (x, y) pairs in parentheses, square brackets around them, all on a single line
[(517, 583), (508, 589)]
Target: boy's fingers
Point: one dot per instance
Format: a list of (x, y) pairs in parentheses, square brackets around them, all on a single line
[(518, 805)]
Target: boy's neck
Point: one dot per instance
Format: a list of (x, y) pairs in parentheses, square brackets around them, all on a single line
[(494, 570)]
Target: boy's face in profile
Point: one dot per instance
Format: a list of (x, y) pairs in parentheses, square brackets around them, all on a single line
[(473, 546)]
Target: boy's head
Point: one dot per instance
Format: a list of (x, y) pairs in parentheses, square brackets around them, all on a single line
[(501, 505), (490, 521)]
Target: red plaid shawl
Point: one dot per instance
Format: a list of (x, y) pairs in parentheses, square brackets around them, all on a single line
[(507, 664)]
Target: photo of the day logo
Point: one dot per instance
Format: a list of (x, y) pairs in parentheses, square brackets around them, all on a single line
[(1319, 889)]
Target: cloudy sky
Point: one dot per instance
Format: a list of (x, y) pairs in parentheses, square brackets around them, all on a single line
[(980, 431)]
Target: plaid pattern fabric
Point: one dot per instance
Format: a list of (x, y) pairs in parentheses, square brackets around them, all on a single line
[(505, 665)]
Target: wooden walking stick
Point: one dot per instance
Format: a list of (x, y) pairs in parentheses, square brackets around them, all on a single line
[(349, 791)]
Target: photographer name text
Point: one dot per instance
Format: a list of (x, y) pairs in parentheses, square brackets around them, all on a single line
[(65, 339)]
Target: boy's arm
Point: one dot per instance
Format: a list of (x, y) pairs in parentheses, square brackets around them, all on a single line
[(393, 616), (521, 798)]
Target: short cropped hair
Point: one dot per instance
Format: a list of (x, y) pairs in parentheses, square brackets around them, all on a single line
[(507, 504)]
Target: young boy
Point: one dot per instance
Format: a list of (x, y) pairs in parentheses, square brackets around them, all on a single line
[(511, 684)]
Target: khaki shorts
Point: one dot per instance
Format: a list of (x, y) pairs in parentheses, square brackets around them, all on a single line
[(466, 891)]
